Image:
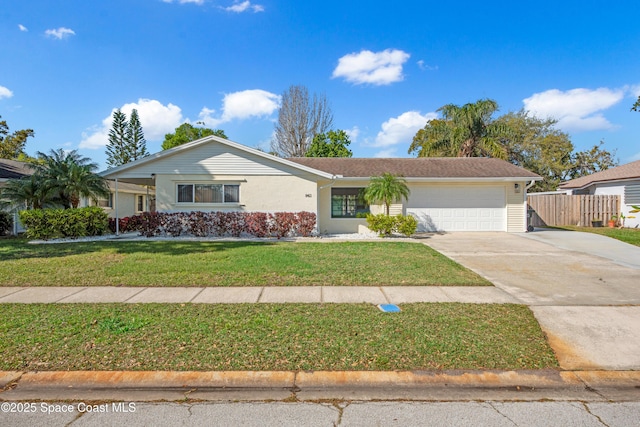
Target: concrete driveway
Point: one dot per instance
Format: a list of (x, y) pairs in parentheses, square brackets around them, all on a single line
[(583, 288)]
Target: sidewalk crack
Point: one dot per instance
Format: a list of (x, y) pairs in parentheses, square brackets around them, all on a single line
[(498, 411), (586, 408)]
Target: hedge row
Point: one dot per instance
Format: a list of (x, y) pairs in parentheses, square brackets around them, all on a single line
[(219, 224), (53, 223)]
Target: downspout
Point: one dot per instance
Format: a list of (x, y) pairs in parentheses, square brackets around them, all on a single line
[(116, 211), (333, 181), (529, 227)]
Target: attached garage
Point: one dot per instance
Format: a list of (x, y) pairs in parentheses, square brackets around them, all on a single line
[(458, 208)]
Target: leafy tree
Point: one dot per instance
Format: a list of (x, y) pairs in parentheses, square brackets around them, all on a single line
[(636, 106), (12, 145), (386, 189), (331, 144), (463, 131), (300, 119), (68, 176), (591, 161), (535, 144), (187, 133), (135, 137)]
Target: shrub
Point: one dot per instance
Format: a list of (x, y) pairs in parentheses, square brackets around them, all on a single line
[(50, 223), (406, 225), (381, 224), (386, 225), (6, 223)]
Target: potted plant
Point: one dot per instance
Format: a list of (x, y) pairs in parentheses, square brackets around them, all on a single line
[(596, 222), (612, 221)]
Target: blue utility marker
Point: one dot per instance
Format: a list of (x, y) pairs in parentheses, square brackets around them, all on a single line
[(389, 308)]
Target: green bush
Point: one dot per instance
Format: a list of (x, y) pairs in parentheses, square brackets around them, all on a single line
[(51, 223), (6, 223), (406, 225), (387, 225)]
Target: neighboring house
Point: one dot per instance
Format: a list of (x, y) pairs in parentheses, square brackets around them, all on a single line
[(132, 199), (447, 194), (623, 181)]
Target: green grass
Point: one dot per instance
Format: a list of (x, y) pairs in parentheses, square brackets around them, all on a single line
[(270, 337), (628, 235), (241, 263)]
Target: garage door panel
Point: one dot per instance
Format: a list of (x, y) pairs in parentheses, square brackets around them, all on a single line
[(449, 208)]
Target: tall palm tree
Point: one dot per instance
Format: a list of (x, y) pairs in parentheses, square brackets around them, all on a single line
[(463, 131), (387, 189), (71, 176)]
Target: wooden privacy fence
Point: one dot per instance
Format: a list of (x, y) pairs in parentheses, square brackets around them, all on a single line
[(560, 209)]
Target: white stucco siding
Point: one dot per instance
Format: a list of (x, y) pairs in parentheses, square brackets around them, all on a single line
[(458, 207), (285, 193), (328, 225)]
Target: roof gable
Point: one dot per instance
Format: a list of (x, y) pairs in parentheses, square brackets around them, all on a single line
[(627, 171), (199, 155), (421, 167)]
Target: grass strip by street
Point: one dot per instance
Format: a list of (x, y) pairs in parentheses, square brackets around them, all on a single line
[(236, 263), (627, 235), (352, 337)]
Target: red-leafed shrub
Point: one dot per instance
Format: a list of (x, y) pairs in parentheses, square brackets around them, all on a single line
[(219, 224)]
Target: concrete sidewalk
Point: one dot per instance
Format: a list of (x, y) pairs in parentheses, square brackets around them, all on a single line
[(235, 295)]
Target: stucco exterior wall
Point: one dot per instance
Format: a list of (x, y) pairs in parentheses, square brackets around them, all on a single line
[(269, 193)]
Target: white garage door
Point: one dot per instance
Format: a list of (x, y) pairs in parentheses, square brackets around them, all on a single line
[(454, 208)]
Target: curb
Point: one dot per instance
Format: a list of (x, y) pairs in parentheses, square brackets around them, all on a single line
[(321, 385)]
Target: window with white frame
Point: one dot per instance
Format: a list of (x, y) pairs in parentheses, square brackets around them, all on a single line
[(140, 203), (208, 193), (105, 203)]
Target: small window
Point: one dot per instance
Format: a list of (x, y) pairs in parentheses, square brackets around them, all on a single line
[(348, 203), (140, 203), (208, 193), (106, 203)]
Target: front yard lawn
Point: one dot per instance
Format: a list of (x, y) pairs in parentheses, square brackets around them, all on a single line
[(270, 337), (628, 235), (238, 263)]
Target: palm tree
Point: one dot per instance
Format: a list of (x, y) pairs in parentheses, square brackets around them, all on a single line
[(71, 176), (27, 192), (463, 131), (386, 189)]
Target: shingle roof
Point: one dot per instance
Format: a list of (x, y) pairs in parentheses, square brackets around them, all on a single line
[(628, 171), (423, 167), (13, 169)]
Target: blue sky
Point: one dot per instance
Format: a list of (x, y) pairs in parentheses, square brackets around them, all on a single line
[(384, 67)]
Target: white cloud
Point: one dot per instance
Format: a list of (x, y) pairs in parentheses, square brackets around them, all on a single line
[(426, 67), (377, 68), (5, 92), (402, 129), (198, 2), (60, 33), (576, 109), (385, 154), (239, 7), (156, 120), (23, 28), (242, 105), (353, 133)]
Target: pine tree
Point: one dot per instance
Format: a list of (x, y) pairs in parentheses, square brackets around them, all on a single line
[(135, 138), (117, 148)]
